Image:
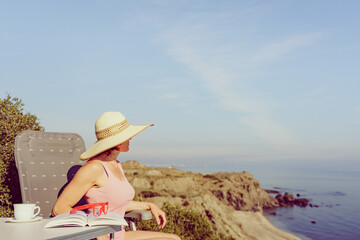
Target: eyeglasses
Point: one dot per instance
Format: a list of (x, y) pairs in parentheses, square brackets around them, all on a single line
[(97, 208)]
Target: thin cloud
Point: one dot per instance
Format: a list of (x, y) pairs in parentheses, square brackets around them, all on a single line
[(224, 69), (234, 97), (266, 128), (313, 93), (311, 96), (170, 96), (279, 49), (220, 83)]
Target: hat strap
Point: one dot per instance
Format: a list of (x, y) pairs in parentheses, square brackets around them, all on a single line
[(112, 130)]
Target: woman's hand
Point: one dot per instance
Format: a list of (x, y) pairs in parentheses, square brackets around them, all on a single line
[(159, 215)]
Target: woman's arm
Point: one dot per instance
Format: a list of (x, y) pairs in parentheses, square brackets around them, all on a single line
[(136, 205), (83, 180), (159, 215)]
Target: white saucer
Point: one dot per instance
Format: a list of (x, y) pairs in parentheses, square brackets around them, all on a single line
[(13, 220)]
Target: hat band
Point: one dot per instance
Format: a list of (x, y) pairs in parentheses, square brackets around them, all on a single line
[(112, 130)]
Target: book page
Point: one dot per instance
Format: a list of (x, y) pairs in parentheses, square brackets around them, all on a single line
[(75, 219), (110, 218)]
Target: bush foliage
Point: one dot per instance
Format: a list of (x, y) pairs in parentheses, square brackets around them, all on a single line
[(13, 120), (187, 224)]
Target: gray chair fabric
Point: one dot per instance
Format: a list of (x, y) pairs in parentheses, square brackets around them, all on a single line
[(45, 162)]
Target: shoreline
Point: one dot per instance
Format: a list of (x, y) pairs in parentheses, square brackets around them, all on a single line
[(280, 225), (258, 226)]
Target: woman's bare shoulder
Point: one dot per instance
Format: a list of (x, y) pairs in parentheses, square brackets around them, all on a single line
[(92, 167)]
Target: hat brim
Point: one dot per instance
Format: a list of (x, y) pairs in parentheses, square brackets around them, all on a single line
[(110, 142)]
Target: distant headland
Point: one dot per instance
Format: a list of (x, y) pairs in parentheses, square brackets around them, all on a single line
[(232, 202)]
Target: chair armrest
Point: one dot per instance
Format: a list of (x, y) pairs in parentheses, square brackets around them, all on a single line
[(139, 214)]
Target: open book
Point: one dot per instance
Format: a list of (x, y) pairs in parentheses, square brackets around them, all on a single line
[(82, 219)]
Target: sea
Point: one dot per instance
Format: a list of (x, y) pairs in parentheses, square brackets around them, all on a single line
[(333, 193)]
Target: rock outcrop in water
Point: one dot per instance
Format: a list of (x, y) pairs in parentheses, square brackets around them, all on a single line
[(288, 200), (232, 202)]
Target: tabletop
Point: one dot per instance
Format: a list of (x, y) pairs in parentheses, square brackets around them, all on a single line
[(36, 231)]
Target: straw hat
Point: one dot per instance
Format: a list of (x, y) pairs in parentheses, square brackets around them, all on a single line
[(111, 129)]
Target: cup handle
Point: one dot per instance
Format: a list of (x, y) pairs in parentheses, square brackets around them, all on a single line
[(37, 209)]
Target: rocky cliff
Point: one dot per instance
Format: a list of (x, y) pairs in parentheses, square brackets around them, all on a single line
[(232, 202)]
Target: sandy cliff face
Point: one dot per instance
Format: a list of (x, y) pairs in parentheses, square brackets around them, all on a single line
[(232, 202)]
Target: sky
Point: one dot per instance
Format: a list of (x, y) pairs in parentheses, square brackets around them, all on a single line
[(225, 82)]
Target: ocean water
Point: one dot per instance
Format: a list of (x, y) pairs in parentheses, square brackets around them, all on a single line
[(334, 192)]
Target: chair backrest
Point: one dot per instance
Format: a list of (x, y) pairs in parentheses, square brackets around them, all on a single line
[(44, 161)]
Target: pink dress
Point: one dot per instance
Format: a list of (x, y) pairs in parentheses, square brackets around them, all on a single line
[(118, 193)]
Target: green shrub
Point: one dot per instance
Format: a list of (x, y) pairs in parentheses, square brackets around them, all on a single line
[(13, 120), (187, 224)]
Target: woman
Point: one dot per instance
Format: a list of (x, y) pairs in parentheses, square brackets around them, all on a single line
[(102, 179)]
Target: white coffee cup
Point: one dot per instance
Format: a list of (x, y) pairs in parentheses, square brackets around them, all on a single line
[(25, 211)]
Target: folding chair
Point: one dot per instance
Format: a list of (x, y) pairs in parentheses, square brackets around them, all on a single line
[(46, 163)]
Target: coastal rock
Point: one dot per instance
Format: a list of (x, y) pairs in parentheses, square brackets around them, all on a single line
[(140, 183), (232, 202), (313, 205), (271, 191), (288, 200), (153, 173), (301, 202)]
